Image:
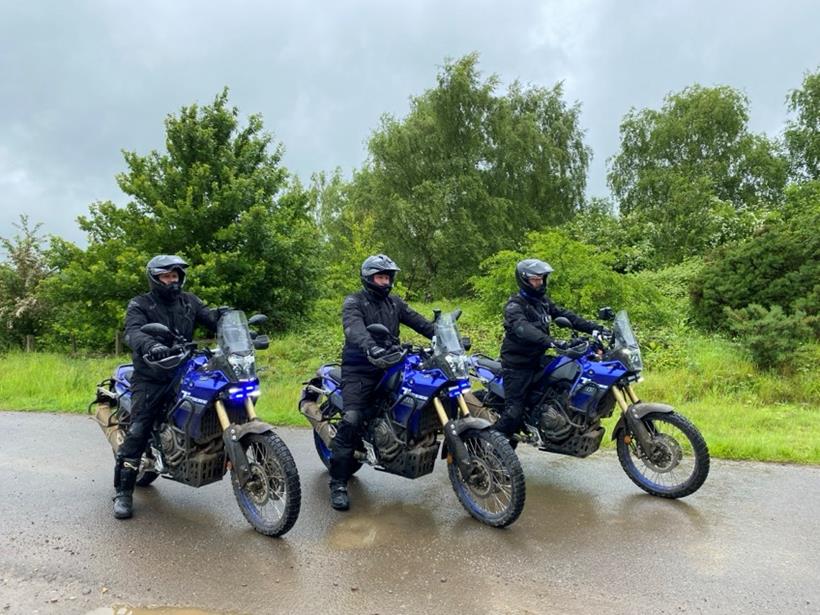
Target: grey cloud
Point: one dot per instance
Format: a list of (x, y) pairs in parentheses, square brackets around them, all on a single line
[(83, 80)]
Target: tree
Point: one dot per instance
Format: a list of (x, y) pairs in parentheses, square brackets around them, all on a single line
[(691, 175), (22, 309), (803, 132), (468, 172), (778, 266), (220, 198)]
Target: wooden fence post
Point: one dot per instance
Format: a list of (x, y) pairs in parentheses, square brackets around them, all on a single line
[(29, 343), (117, 343)]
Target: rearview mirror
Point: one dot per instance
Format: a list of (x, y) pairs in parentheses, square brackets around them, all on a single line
[(606, 313), (261, 342), (456, 313), (379, 329), (155, 329), (467, 343), (257, 319)]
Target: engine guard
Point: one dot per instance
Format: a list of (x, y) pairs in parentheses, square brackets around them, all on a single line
[(233, 446)]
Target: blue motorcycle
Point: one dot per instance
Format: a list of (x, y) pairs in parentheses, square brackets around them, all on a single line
[(211, 424), (421, 398), (660, 450)]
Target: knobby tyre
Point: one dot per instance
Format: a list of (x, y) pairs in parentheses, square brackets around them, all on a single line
[(271, 499), (677, 467), (495, 494)]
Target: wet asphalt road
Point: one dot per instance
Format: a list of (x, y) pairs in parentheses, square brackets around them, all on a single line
[(588, 540)]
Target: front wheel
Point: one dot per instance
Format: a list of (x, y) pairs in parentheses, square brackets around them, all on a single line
[(678, 463), (271, 498), (494, 492)]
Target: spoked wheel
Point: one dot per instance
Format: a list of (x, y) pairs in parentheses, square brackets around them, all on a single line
[(678, 463), (494, 492), (325, 453), (271, 499)]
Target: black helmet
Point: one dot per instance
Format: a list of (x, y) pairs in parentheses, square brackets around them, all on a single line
[(529, 268), (165, 263), (378, 263)]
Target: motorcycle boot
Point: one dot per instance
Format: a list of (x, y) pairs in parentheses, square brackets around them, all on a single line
[(125, 477), (339, 499)]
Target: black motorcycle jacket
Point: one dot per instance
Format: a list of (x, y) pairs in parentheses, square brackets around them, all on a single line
[(527, 329), (181, 315), (366, 308)]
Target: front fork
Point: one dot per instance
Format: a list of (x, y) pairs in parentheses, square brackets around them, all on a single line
[(232, 434), (452, 429), (627, 399)]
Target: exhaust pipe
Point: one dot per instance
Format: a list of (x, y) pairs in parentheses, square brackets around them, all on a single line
[(478, 409), (111, 429), (313, 413)]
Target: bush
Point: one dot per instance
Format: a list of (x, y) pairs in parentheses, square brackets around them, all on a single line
[(778, 266), (771, 335)]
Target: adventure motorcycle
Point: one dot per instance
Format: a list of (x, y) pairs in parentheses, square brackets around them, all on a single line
[(211, 424), (660, 450), (422, 396)]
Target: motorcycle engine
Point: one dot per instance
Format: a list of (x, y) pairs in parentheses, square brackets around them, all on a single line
[(172, 445), (388, 445), (552, 422)]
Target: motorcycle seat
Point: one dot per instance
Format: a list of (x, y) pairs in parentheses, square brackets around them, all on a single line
[(124, 373), (335, 373), (490, 364)]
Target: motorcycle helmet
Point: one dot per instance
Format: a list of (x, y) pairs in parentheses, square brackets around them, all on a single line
[(378, 263), (532, 267), (166, 263)]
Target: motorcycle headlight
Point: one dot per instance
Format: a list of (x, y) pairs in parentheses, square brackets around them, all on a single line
[(457, 366), (243, 366)]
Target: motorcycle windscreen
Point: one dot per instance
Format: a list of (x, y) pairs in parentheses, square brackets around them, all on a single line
[(448, 351), (236, 345), (625, 347)]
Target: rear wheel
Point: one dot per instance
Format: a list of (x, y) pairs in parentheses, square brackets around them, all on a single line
[(271, 498), (678, 463), (494, 492), (325, 453)]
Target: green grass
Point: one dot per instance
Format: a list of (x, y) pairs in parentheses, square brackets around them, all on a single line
[(742, 413)]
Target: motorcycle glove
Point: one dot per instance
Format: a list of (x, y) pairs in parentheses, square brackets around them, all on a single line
[(157, 352)]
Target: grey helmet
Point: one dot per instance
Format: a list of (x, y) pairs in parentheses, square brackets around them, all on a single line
[(165, 263), (532, 267), (378, 263)]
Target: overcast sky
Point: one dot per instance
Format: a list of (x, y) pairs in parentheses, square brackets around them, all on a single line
[(82, 80)]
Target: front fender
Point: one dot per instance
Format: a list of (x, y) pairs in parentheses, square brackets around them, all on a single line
[(233, 437), (463, 424), (638, 411)]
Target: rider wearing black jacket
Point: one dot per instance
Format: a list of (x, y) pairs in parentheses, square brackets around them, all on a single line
[(150, 386), (527, 317), (364, 360)]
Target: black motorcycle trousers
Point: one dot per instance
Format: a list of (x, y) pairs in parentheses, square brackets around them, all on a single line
[(148, 400), (358, 396), (517, 384)]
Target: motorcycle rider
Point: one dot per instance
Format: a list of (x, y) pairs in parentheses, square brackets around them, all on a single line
[(167, 304), (527, 316), (364, 360)]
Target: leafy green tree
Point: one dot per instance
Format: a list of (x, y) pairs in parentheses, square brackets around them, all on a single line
[(778, 266), (803, 132), (691, 176), (22, 309), (220, 198), (468, 172)]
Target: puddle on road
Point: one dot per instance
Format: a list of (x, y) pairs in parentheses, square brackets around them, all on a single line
[(159, 610), (390, 524)]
